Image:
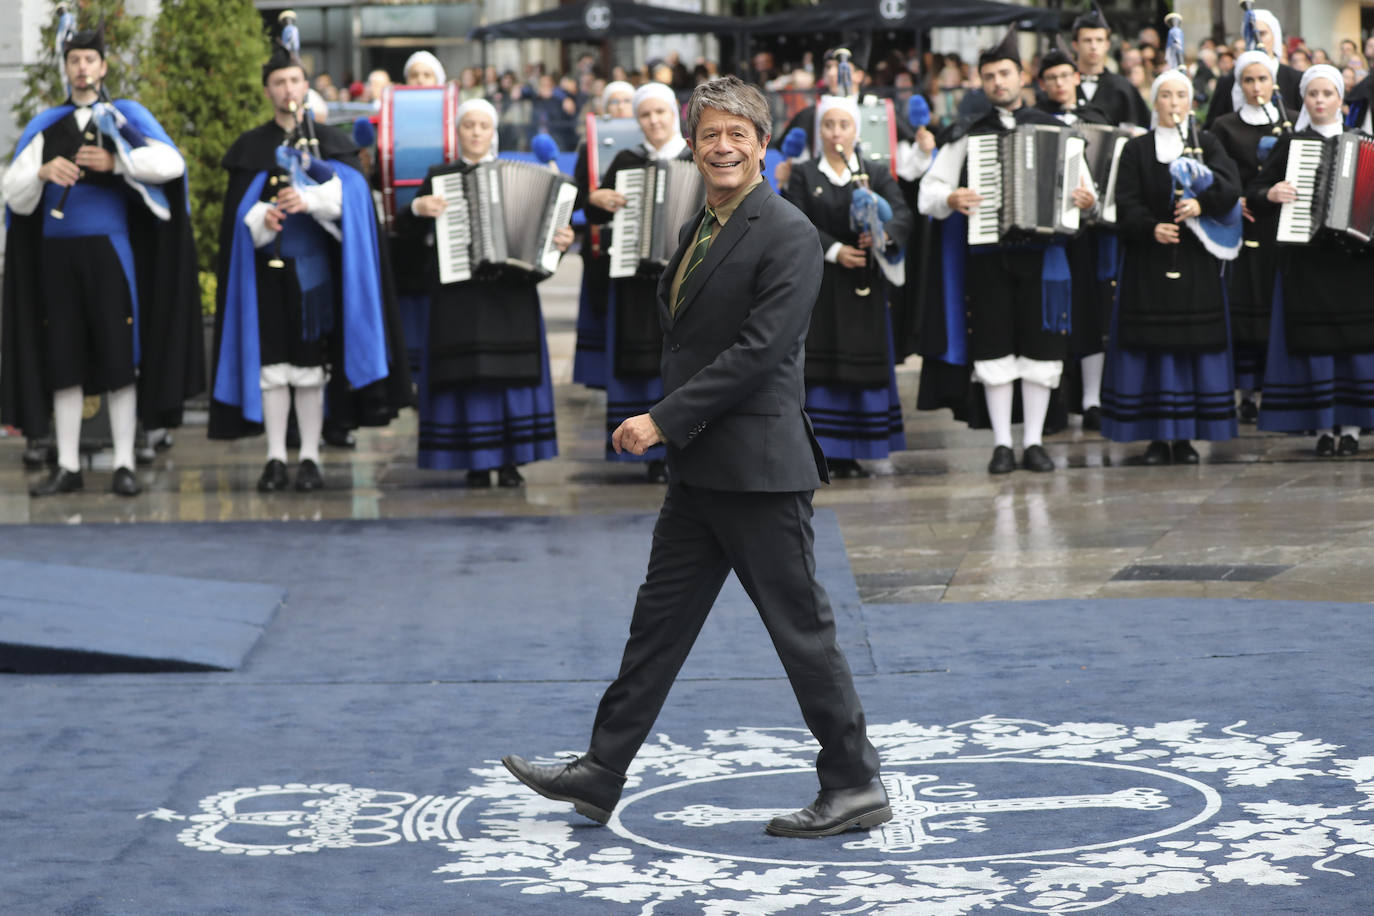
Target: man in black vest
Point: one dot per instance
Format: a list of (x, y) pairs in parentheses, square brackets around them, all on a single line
[(735, 304), (1110, 93)]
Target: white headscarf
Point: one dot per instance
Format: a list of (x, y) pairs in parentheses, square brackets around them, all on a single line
[(830, 103), (1275, 29), (430, 61), (674, 144), (1318, 71), (612, 88), (485, 107), (1168, 140), (1250, 58)]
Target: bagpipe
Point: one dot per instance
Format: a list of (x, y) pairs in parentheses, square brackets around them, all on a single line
[(298, 165), (1191, 176)]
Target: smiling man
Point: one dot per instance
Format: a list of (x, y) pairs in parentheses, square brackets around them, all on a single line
[(735, 304)]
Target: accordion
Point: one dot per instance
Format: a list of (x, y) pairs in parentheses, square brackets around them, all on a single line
[(1026, 178), (1335, 182), (1102, 151), (659, 198), (500, 214)]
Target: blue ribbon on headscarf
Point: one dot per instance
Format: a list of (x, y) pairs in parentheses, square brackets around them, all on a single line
[(1056, 290)]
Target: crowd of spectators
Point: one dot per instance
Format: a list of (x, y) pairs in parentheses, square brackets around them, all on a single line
[(538, 101)]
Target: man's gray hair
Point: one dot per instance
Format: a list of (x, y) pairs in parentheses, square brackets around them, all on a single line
[(731, 95)]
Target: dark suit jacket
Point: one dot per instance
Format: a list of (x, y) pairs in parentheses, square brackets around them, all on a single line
[(734, 354)]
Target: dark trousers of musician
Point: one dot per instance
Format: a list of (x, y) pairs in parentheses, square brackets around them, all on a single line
[(767, 539)]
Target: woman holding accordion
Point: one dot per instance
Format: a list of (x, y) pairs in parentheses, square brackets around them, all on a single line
[(851, 387), (1319, 373), (1168, 374), (634, 340), (487, 399)]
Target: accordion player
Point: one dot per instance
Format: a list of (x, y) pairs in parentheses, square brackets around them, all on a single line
[(659, 197), (1334, 178), (501, 215), (1026, 178)]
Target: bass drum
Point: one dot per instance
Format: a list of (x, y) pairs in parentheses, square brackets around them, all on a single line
[(416, 128)]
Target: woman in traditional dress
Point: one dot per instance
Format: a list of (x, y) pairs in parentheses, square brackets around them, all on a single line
[(1319, 374), (487, 399), (589, 354), (634, 339), (1248, 135), (851, 388), (1169, 377)]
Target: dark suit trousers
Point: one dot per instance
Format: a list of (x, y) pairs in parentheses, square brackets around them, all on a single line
[(766, 538)]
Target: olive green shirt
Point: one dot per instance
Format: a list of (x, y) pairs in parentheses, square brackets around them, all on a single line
[(722, 216)]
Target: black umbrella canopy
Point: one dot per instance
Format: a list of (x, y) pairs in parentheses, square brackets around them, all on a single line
[(917, 15), (599, 19)]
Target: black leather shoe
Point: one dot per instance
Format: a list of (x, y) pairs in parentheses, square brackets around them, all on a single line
[(274, 477), (593, 789), (1248, 412), (477, 479), (1003, 461), (1157, 453), (658, 472), (1326, 446), (124, 483), (835, 811), (1035, 458), (308, 477), (1092, 418), (60, 480), (509, 476), (1348, 446), (339, 437), (1184, 453)]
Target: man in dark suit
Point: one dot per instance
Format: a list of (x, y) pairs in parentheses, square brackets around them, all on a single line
[(735, 304), (1108, 92)]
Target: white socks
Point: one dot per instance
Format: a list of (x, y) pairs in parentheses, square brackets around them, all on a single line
[(276, 411), (1035, 403), (66, 408), (999, 412), (310, 419), (1092, 367), (123, 404)]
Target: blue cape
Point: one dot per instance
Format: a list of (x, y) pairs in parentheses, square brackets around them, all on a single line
[(138, 116), (237, 379)]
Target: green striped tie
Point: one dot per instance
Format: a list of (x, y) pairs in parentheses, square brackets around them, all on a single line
[(697, 255)]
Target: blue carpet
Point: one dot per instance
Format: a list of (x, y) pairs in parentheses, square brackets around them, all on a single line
[(67, 619), (1055, 756)]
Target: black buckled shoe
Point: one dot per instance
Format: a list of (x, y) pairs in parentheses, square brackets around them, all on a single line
[(308, 477), (1248, 411), (593, 789), (1092, 418), (1184, 453), (274, 477), (124, 483), (1035, 458), (1003, 460), (478, 479), (835, 811), (1348, 446), (1157, 452), (1326, 445), (60, 480), (509, 476)]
